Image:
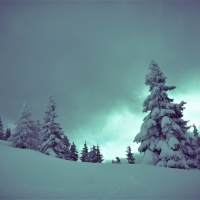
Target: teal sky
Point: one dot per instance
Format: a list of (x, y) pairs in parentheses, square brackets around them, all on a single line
[(93, 58)]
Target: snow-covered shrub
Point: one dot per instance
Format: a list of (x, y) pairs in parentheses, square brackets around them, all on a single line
[(117, 161)]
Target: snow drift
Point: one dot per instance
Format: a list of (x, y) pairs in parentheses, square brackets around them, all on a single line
[(28, 174)]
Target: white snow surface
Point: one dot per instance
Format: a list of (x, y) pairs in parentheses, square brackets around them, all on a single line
[(28, 174)]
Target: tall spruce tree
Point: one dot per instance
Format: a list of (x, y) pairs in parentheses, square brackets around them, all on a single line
[(163, 131), (24, 135), (52, 135), (73, 153), (130, 158), (84, 154), (1, 130), (8, 134)]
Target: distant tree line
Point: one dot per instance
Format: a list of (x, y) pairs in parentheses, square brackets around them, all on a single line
[(7, 134), (93, 156), (48, 137)]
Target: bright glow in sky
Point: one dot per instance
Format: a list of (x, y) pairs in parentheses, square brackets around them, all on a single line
[(118, 133), (192, 107), (121, 128)]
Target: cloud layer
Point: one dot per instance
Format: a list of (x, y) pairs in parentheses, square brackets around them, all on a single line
[(93, 57)]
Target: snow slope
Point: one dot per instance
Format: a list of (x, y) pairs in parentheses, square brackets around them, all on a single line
[(27, 174)]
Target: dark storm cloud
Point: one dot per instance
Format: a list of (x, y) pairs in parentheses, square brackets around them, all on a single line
[(92, 56)]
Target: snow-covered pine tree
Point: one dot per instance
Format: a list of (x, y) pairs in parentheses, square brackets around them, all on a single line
[(52, 135), (67, 147), (130, 158), (1, 130), (163, 131), (198, 152), (190, 150), (99, 155), (73, 153), (8, 134), (84, 154), (197, 146), (92, 155), (24, 135)]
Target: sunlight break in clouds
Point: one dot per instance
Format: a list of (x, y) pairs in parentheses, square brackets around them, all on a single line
[(119, 133), (192, 108)]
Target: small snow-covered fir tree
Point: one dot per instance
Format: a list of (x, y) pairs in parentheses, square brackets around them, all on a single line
[(130, 158), (8, 134), (1, 130), (24, 135), (92, 154), (197, 146), (51, 140), (84, 154), (99, 155), (67, 147), (73, 153), (163, 131)]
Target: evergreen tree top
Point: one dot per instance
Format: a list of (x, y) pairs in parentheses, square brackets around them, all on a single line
[(24, 116), (25, 112), (156, 78), (50, 113), (155, 75)]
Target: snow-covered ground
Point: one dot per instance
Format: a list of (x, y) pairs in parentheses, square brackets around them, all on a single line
[(27, 174)]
